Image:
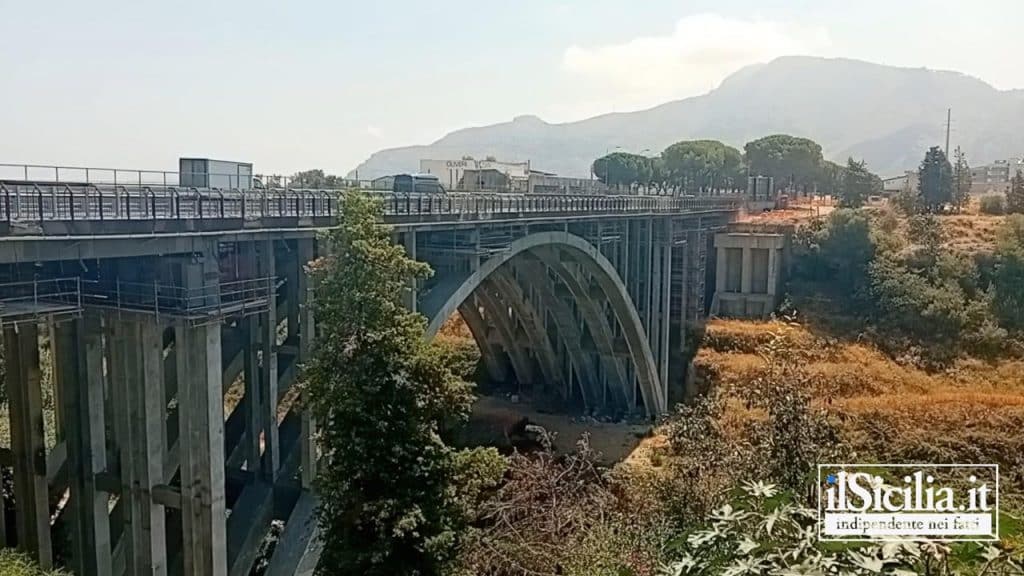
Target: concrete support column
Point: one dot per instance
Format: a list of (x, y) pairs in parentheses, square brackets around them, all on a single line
[(721, 271), (306, 253), (201, 432), (293, 271), (748, 271), (773, 272), (665, 314), (78, 354), (268, 368), (409, 241), (684, 295), (252, 400), (23, 379), (201, 423), (138, 400)]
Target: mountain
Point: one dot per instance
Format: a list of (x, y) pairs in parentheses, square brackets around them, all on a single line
[(884, 114)]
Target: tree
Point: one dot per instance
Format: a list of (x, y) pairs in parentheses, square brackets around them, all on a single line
[(857, 184), (837, 251), (831, 178), (388, 483), (794, 162), (1008, 278), (1015, 196), (315, 179), (961, 179), (620, 169), (703, 165), (935, 180)]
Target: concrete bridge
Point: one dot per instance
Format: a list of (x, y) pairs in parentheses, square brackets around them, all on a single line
[(152, 337)]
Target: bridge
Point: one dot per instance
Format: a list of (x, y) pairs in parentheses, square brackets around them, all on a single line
[(153, 334)]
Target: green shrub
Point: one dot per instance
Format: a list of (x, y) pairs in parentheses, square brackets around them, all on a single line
[(762, 532), (1008, 275), (993, 204), (13, 563)]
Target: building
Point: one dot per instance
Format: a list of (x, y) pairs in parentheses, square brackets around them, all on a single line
[(547, 183), (206, 173), (896, 184), (452, 172), (485, 180), (995, 177)]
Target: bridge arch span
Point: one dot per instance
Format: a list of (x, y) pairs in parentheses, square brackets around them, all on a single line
[(547, 247)]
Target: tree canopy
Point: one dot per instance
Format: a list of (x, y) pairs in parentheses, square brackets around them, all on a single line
[(315, 179), (703, 165), (622, 169), (961, 179), (935, 180), (858, 183), (1015, 195), (389, 486), (793, 161), (708, 166)]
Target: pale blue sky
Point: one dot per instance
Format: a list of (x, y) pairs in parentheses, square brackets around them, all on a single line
[(295, 85)]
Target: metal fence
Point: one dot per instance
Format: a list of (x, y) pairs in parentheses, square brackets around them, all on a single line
[(43, 202), (32, 300), (198, 305), (80, 175)]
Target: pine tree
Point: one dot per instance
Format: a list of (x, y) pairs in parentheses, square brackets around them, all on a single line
[(1015, 196), (935, 180), (961, 179), (857, 184)]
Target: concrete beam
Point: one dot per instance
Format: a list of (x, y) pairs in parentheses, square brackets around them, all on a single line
[(299, 547)]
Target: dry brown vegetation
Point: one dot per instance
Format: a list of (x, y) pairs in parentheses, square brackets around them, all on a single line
[(885, 411), (971, 233)]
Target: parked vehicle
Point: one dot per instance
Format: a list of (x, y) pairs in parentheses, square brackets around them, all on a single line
[(418, 184)]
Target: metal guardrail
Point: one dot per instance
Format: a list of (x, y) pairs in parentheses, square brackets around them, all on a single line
[(198, 306), (81, 175), (32, 300), (46, 202)]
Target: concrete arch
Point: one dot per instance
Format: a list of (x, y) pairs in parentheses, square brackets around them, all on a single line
[(533, 325), (495, 362), (591, 259), (495, 312), (567, 327), (595, 321)]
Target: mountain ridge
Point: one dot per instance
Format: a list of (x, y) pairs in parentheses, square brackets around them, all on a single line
[(885, 114)]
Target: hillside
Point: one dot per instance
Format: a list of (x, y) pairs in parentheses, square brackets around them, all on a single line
[(884, 114), (886, 411)]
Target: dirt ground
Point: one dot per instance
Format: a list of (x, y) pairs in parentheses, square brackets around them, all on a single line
[(799, 210), (493, 414)]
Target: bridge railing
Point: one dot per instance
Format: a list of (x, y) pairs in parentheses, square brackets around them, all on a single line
[(198, 305), (45, 202), (99, 176)]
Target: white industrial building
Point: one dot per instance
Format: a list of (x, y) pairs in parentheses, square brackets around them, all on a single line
[(451, 172)]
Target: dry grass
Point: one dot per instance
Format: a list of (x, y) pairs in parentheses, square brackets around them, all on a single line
[(886, 411), (971, 233)]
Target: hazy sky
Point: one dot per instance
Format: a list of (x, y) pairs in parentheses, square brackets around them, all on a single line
[(295, 85)]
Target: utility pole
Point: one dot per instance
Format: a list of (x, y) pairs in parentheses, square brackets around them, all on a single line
[(949, 119)]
